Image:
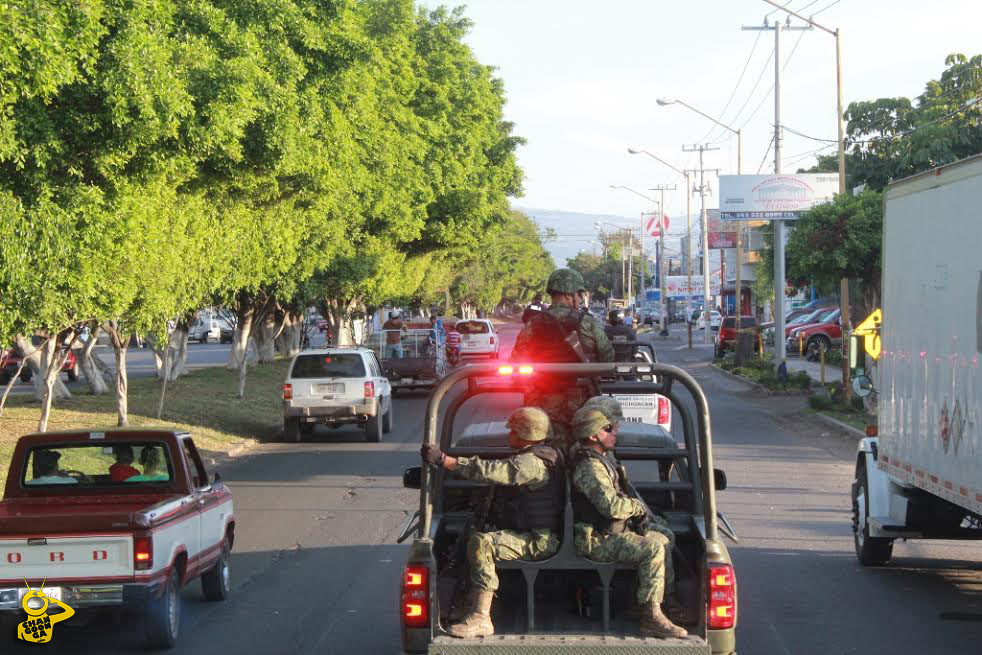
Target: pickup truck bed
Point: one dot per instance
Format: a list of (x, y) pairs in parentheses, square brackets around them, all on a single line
[(568, 644)]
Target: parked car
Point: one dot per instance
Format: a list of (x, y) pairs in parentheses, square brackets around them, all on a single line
[(478, 338), (206, 329), (726, 337), (10, 362), (335, 386), (714, 320), (817, 337), (103, 535), (227, 333)]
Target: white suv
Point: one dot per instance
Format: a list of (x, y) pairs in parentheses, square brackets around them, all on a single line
[(334, 386), (478, 337)]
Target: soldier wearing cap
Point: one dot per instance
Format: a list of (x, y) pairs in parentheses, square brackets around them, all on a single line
[(530, 526), (602, 509), (561, 334)]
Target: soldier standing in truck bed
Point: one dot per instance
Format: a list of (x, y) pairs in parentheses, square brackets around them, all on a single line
[(532, 520), (561, 334)]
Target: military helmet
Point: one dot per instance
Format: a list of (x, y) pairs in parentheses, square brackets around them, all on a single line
[(565, 280), (616, 316), (608, 405), (588, 421), (530, 424)]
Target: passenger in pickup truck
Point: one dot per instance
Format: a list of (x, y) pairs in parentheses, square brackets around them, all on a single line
[(153, 466), (532, 518), (46, 469), (123, 469), (602, 510)]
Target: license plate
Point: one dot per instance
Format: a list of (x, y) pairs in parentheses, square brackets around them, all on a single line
[(406, 381), (646, 401), (467, 337), (50, 592), (328, 388)]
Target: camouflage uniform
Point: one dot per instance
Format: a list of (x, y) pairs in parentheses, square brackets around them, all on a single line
[(524, 468), (561, 404), (651, 551)]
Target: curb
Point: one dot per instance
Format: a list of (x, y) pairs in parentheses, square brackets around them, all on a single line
[(845, 427), (739, 378)]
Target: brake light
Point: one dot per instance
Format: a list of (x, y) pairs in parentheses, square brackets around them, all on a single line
[(663, 410), (416, 596), (721, 608), (287, 392), (492, 340), (505, 370), (369, 389), (142, 553), (525, 369)]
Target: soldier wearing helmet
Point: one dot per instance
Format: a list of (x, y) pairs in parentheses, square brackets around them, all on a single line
[(618, 333), (561, 334), (531, 522)]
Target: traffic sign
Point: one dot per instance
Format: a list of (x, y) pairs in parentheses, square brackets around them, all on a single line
[(870, 331), (655, 230)]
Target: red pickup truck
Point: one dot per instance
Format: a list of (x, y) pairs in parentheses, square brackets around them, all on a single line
[(10, 362), (113, 519)]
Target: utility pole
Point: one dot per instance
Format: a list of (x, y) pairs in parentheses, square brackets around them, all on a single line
[(840, 124), (630, 268), (779, 274), (688, 250), (706, 308), (662, 188)]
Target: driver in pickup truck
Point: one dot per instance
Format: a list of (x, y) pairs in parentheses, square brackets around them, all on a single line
[(532, 519), (602, 509), (46, 469)]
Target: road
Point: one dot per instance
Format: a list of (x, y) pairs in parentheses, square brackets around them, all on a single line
[(316, 568)]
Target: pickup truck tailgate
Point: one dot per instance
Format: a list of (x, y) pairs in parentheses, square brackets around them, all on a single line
[(581, 644), (59, 558)]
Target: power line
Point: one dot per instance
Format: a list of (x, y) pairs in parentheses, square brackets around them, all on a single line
[(756, 84), (767, 152), (828, 7), (736, 86), (770, 90)]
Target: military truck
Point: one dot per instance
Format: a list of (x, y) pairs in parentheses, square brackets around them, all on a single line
[(566, 603)]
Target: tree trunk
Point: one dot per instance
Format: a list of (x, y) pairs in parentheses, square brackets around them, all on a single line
[(239, 352), (11, 383), (35, 363), (288, 341), (163, 386), (264, 333), (52, 361), (120, 343), (87, 364), (338, 315), (170, 362)]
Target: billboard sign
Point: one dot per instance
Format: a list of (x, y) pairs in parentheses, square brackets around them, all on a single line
[(774, 197), (720, 240), (677, 286)]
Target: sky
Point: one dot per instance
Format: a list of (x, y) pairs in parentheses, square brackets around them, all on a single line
[(582, 79)]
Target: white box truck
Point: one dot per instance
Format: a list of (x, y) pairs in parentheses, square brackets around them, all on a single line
[(921, 477)]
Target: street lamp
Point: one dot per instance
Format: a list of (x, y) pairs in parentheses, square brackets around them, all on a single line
[(739, 248), (688, 237)]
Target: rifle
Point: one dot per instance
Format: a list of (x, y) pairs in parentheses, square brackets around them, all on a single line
[(651, 516), (459, 557)]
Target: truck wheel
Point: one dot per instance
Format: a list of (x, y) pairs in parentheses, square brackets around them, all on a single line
[(163, 617), (871, 551), (387, 419), (373, 428), (215, 581), (291, 429)]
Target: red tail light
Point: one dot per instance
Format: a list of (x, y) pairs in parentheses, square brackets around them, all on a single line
[(663, 410), (369, 389), (505, 370), (287, 392), (416, 597), (721, 608), (142, 553), (525, 369), (492, 341)]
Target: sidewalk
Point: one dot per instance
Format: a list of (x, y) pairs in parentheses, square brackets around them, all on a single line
[(833, 373)]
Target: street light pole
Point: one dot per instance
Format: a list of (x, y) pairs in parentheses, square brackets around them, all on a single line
[(661, 188)]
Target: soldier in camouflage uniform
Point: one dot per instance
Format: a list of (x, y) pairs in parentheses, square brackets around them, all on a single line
[(546, 339), (533, 516), (602, 509)]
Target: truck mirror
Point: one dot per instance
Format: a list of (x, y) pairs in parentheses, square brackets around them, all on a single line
[(862, 386), (412, 477), (719, 479)]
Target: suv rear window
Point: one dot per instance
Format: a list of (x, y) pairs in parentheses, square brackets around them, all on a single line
[(745, 321), (343, 365), (472, 327)]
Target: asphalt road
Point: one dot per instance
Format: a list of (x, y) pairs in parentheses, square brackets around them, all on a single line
[(316, 568)]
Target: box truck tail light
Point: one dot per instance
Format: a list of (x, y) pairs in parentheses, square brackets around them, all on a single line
[(369, 389), (663, 410), (416, 597), (142, 553), (721, 608), (287, 392)]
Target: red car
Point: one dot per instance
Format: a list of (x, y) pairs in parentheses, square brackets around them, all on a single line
[(726, 337), (10, 360), (817, 336)]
